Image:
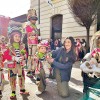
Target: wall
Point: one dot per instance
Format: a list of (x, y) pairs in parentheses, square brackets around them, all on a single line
[(69, 27)]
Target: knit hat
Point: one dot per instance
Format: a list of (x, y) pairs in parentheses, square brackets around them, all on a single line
[(32, 15), (43, 43), (15, 27)]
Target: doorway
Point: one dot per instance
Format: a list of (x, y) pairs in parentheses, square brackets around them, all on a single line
[(56, 30)]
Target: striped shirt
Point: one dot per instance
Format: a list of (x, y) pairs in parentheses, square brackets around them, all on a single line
[(17, 52)]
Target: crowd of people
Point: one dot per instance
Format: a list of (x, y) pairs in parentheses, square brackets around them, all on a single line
[(42, 57), (80, 46)]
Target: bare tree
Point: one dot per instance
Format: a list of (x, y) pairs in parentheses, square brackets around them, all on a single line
[(84, 12)]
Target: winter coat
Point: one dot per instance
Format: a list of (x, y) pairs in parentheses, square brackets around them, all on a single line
[(63, 61)]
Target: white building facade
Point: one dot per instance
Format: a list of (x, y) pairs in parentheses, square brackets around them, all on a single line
[(58, 22)]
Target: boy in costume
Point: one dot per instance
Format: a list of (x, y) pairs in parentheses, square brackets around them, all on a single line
[(42, 67), (15, 56), (32, 37)]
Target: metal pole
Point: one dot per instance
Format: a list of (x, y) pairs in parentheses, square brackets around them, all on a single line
[(39, 15)]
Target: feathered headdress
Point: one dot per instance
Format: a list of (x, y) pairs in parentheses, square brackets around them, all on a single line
[(32, 15), (15, 27), (43, 43)]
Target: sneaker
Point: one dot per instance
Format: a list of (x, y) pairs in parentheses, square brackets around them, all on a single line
[(29, 75), (37, 92), (25, 92), (12, 96)]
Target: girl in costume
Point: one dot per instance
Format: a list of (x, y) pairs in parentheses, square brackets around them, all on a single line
[(91, 69), (42, 67), (32, 38), (15, 58)]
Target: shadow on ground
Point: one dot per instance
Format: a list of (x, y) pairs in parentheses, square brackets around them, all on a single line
[(76, 64), (75, 81), (50, 93), (53, 95)]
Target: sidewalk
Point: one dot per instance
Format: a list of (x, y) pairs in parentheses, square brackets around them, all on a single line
[(51, 90)]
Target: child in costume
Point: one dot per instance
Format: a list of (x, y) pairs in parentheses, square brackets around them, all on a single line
[(15, 56), (90, 67), (32, 37), (42, 67), (1, 70), (1, 74)]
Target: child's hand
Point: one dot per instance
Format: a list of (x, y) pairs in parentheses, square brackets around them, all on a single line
[(48, 55), (22, 57), (50, 60)]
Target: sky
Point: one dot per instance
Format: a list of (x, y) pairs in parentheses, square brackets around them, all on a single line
[(14, 8)]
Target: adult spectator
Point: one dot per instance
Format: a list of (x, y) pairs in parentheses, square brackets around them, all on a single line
[(62, 60)]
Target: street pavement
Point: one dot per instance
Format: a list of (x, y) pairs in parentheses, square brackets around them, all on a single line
[(51, 89)]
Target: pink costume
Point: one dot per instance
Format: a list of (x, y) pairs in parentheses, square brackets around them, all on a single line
[(96, 50)]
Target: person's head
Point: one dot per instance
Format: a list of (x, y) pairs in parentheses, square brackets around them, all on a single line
[(15, 36), (42, 49), (59, 40), (15, 32), (94, 41), (69, 43), (77, 40), (83, 40), (32, 16), (33, 20), (42, 46)]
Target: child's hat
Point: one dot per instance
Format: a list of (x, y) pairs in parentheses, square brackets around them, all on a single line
[(43, 43), (32, 15), (15, 27)]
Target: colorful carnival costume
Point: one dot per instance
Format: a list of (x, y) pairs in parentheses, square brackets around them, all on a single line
[(91, 69), (32, 38), (2, 79), (1, 74), (42, 67), (15, 59)]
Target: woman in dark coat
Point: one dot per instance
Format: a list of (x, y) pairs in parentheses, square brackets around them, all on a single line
[(62, 60)]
